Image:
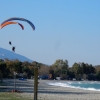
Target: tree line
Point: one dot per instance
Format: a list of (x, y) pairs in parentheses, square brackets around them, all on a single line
[(78, 71), (60, 68)]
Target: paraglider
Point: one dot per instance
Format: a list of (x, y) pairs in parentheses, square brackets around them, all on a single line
[(13, 49), (21, 19), (8, 23), (10, 43)]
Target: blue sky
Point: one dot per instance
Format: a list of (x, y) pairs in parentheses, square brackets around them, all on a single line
[(65, 29)]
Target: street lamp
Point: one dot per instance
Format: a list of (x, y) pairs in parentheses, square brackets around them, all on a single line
[(15, 81)]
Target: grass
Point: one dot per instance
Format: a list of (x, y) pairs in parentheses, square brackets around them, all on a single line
[(13, 96)]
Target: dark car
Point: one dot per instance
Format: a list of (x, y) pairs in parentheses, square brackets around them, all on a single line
[(43, 77), (23, 79)]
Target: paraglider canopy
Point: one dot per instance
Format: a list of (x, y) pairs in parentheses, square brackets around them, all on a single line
[(21, 19)]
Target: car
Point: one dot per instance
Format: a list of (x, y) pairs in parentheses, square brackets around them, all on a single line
[(23, 79), (44, 77)]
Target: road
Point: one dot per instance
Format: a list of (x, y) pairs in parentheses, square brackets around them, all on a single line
[(21, 85)]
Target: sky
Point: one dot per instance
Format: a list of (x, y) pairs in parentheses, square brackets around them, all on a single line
[(65, 29)]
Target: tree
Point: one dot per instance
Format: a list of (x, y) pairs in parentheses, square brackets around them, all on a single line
[(60, 68), (98, 75), (70, 74), (51, 74), (2, 69), (14, 65), (26, 71), (77, 70), (91, 69), (17, 66)]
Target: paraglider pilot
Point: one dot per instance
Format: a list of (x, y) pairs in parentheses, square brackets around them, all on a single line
[(13, 49), (10, 42)]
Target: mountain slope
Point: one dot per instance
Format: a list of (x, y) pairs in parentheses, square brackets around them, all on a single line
[(11, 55)]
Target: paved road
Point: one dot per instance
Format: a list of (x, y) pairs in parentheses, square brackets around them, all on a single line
[(22, 85)]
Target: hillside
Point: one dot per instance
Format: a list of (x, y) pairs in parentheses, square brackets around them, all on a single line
[(11, 55)]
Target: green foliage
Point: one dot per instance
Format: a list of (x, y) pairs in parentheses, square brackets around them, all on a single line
[(58, 69), (2, 66), (70, 74), (98, 75), (81, 68), (25, 69), (8, 67)]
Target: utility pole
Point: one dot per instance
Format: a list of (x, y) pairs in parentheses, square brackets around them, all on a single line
[(35, 81)]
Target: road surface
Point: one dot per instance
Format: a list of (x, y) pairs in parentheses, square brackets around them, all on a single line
[(21, 85)]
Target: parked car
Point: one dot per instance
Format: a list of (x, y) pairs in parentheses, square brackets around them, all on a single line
[(24, 79), (43, 77)]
